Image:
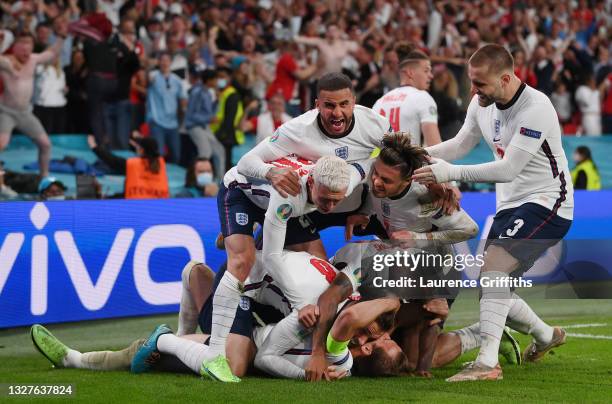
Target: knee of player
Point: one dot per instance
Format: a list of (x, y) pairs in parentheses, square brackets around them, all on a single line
[(203, 271), (241, 264)]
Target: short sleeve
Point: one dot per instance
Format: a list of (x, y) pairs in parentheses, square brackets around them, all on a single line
[(427, 110)]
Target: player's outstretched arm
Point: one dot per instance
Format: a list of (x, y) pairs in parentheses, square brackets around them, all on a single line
[(466, 139), (504, 170), (255, 162), (340, 289)]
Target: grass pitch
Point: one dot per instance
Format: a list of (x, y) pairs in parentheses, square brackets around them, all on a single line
[(581, 370)]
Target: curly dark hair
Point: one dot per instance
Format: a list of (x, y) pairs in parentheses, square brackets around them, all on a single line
[(397, 151)]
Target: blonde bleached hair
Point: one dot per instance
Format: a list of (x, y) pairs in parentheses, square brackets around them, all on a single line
[(333, 172)]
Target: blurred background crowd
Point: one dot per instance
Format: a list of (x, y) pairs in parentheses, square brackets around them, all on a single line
[(201, 77)]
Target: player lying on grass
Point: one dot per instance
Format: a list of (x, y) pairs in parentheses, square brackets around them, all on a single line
[(190, 350)]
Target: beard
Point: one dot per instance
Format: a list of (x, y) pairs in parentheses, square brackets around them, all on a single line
[(485, 101)]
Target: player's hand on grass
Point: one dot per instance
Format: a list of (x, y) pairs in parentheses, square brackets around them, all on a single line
[(352, 221), (439, 307), (333, 373), (308, 315), (444, 197), (284, 180), (316, 367)]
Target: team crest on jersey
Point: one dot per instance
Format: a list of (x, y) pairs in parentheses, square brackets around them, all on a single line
[(433, 110), (284, 211), (497, 136), (386, 209), (242, 218), (245, 303), (342, 152), (530, 133)]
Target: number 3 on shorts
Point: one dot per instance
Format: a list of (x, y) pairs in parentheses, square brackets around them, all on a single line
[(518, 223)]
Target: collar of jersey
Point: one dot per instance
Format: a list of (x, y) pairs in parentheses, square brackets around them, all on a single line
[(401, 194), (514, 98), (326, 133)]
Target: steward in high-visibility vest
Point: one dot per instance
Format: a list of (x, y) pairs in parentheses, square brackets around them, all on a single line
[(145, 175), (586, 169), (585, 175), (146, 178), (229, 113)]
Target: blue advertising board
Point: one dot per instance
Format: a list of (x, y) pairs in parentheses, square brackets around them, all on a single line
[(79, 260)]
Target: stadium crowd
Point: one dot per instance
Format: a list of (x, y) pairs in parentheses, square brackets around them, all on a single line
[(218, 70)]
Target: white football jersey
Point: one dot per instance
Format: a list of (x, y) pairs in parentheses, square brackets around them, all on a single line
[(407, 108), (414, 211), (529, 123), (304, 278), (304, 136)]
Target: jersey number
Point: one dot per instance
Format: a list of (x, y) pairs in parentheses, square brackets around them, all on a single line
[(518, 223), (325, 268), (394, 114)]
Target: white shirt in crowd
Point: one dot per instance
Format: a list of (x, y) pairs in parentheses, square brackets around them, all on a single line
[(50, 87), (588, 101)]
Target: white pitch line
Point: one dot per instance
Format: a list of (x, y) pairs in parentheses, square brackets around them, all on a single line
[(590, 336), (579, 335), (584, 325)]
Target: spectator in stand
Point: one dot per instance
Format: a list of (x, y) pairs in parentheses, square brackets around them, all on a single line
[(145, 174), (544, 70), (119, 109), (165, 96), (332, 49), (266, 123), (101, 64), (51, 189), (42, 36), (585, 175), (522, 70), (17, 75), (76, 98), (389, 72), (445, 92), (288, 75), (199, 180), (50, 96), (562, 101), (369, 85), (588, 99), (229, 113), (201, 112), (138, 97)]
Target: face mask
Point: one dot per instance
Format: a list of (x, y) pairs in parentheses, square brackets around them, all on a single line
[(222, 83), (204, 179), (57, 198)]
